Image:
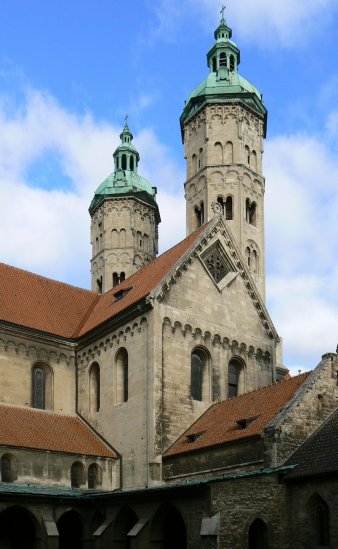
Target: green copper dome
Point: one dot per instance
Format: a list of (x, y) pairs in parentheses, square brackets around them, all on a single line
[(224, 84), (125, 179)]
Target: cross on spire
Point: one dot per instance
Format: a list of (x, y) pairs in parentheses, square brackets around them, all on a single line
[(126, 119), (222, 11)]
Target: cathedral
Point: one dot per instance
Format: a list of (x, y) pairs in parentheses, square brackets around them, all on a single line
[(155, 411)]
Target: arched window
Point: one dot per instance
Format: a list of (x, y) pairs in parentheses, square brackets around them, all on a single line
[(258, 535), (221, 202), (99, 285), (121, 376), (94, 388), (42, 381), (124, 162), (247, 155), (122, 276), (254, 160), (94, 476), (251, 209), (9, 468), (115, 279), (218, 153), (228, 208), (200, 158), (214, 64), (194, 163), (77, 474), (232, 63), (222, 60), (117, 162), (234, 370), (229, 152), (200, 386), (131, 162), (199, 215), (318, 518)]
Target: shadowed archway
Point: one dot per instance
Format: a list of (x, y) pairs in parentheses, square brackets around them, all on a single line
[(168, 530), (124, 522), (258, 535), (17, 529), (70, 531)]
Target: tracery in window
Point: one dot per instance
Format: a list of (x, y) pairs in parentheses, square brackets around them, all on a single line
[(216, 262)]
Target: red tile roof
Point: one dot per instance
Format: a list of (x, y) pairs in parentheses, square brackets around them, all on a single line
[(223, 422), (40, 303), (142, 283), (45, 430), (43, 304)]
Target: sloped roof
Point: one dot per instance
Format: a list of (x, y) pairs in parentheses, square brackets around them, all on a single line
[(141, 284), (36, 302), (44, 430), (318, 454), (224, 422), (33, 301)]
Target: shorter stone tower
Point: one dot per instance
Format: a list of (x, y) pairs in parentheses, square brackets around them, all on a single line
[(125, 218)]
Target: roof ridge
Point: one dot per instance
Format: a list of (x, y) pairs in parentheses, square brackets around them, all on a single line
[(59, 282)]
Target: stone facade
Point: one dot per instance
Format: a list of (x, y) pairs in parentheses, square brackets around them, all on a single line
[(223, 147), (124, 238)]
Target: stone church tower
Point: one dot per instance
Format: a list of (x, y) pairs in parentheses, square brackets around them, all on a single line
[(223, 125), (125, 218)]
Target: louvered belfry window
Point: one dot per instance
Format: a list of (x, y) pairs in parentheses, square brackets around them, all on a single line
[(216, 262)]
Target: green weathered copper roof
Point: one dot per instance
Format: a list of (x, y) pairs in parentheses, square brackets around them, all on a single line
[(121, 182), (223, 84), (124, 181)]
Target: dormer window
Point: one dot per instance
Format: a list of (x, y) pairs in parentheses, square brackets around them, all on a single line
[(194, 436), (121, 293), (245, 422)]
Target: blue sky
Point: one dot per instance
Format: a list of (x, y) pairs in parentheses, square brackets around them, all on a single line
[(69, 72)]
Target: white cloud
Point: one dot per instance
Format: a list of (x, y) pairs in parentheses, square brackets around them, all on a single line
[(281, 22), (302, 235), (47, 230)]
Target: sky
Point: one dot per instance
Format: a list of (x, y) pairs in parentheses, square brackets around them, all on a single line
[(70, 71)]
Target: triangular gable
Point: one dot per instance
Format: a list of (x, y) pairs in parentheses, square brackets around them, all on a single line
[(235, 265)]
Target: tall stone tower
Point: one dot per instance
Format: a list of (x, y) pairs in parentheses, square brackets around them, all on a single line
[(125, 218), (223, 126)]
